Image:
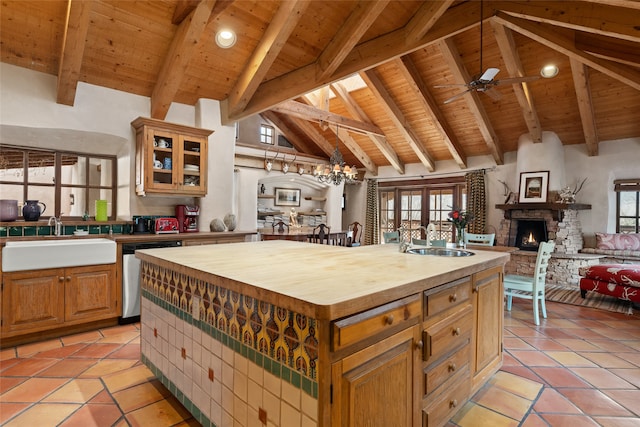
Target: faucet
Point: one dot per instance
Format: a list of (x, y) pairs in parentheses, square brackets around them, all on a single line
[(428, 230), (58, 224)]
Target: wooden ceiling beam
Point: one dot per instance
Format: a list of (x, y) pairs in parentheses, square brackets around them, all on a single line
[(423, 95), (345, 137), (617, 50), (585, 105), (462, 76), (563, 41), (594, 17), (424, 19), (349, 34), (364, 56), (392, 110), (509, 51), (314, 114), (314, 134), (356, 112), (73, 43), (273, 40), (183, 46), (183, 9), (300, 144)]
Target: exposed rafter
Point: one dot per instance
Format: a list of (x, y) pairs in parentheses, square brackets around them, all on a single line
[(376, 86), (585, 105), (452, 57), (73, 44), (509, 52), (300, 144)]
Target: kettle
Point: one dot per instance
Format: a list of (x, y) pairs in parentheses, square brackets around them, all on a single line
[(31, 210), (141, 225)]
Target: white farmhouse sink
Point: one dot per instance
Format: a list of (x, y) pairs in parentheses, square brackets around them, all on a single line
[(39, 254)]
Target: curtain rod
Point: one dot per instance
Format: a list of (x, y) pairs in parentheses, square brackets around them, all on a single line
[(436, 175)]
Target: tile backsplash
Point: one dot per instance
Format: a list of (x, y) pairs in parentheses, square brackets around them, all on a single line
[(21, 229)]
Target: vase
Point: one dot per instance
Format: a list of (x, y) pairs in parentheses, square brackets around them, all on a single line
[(460, 238), (230, 222), (31, 210)]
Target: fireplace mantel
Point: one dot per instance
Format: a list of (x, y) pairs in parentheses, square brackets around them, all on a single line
[(556, 208)]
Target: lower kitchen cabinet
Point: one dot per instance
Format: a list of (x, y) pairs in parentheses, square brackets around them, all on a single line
[(42, 300)]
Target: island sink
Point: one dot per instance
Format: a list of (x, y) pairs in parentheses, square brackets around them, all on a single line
[(440, 252), (40, 254)]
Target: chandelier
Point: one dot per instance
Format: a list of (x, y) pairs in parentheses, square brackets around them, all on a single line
[(336, 171)]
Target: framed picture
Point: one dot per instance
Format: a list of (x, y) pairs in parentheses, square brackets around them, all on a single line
[(287, 197), (534, 187)]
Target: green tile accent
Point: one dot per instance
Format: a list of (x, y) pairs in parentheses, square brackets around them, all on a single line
[(29, 231), (44, 230), (105, 229), (117, 228), (15, 231), (295, 379), (94, 229), (307, 385), (3, 231), (286, 374)]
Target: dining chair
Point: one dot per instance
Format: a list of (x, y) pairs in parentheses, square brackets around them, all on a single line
[(282, 227), (391, 236), (479, 239), (434, 242), (320, 234), (531, 287), (354, 233)]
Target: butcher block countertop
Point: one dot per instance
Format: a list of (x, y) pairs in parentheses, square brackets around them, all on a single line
[(322, 281)]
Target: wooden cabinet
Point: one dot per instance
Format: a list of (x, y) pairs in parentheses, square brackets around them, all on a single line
[(488, 307), (170, 158), (40, 300)]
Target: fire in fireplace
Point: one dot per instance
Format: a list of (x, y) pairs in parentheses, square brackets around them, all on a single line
[(530, 233)]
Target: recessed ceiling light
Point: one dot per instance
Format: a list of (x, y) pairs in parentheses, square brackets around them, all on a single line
[(549, 71), (225, 38)]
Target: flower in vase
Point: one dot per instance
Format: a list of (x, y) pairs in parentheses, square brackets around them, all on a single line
[(460, 218)]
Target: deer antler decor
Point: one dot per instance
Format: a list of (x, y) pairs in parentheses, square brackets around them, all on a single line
[(268, 163)]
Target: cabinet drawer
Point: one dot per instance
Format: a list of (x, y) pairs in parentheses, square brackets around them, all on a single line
[(381, 319), (436, 376), (437, 412), (448, 334), (439, 300)]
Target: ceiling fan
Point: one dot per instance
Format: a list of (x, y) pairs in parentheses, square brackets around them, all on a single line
[(485, 82)]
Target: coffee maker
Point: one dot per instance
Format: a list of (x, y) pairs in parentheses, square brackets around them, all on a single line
[(187, 218)]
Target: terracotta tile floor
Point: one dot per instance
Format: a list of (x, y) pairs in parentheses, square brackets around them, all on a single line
[(580, 367)]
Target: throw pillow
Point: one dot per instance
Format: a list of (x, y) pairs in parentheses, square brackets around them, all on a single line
[(618, 241)]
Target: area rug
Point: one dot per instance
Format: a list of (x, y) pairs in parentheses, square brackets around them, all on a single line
[(571, 295)]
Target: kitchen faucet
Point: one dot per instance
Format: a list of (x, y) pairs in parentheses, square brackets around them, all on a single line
[(58, 224)]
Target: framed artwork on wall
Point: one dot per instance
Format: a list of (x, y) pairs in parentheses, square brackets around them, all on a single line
[(287, 197), (534, 187)]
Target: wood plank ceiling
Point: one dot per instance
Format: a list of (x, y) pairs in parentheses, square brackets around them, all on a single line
[(401, 50)]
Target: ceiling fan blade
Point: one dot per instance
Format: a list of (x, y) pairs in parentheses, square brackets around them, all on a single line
[(454, 97), (452, 85), (489, 74), (493, 93), (514, 80)]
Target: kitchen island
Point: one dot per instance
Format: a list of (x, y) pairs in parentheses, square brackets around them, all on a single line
[(289, 334)]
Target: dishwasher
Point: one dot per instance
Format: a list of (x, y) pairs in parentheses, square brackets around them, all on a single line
[(131, 277)]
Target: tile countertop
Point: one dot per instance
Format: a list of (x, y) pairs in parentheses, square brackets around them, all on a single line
[(322, 281)]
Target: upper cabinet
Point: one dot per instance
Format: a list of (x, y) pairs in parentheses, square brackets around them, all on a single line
[(170, 158)]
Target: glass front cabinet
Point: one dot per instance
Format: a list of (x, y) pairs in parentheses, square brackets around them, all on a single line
[(170, 158)]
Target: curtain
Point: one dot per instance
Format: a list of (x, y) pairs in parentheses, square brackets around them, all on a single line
[(477, 201), (372, 223)]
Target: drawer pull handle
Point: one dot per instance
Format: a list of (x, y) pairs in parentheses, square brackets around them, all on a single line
[(452, 367), (456, 331), (453, 298), (453, 403), (388, 319), (68, 278), (60, 279), (420, 344)]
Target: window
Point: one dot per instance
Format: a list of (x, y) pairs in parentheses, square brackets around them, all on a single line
[(266, 134), (420, 203), (627, 205), (67, 183)]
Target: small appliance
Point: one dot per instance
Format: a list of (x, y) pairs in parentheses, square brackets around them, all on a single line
[(166, 225), (187, 218)]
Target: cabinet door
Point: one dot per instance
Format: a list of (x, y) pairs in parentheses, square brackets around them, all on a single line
[(162, 160), (32, 301), (488, 303), (90, 293), (378, 386), (192, 167)]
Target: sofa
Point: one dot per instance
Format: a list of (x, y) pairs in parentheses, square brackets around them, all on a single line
[(618, 280), (618, 248)]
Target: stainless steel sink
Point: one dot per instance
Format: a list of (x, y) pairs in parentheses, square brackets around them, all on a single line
[(439, 252)]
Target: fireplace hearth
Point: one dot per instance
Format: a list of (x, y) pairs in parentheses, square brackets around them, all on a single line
[(530, 232)]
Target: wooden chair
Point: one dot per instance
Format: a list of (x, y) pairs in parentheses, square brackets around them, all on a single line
[(479, 239), (354, 234), (434, 242), (391, 237), (321, 234), (282, 227), (531, 287)]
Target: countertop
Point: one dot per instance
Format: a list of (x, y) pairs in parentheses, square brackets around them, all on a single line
[(322, 281)]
